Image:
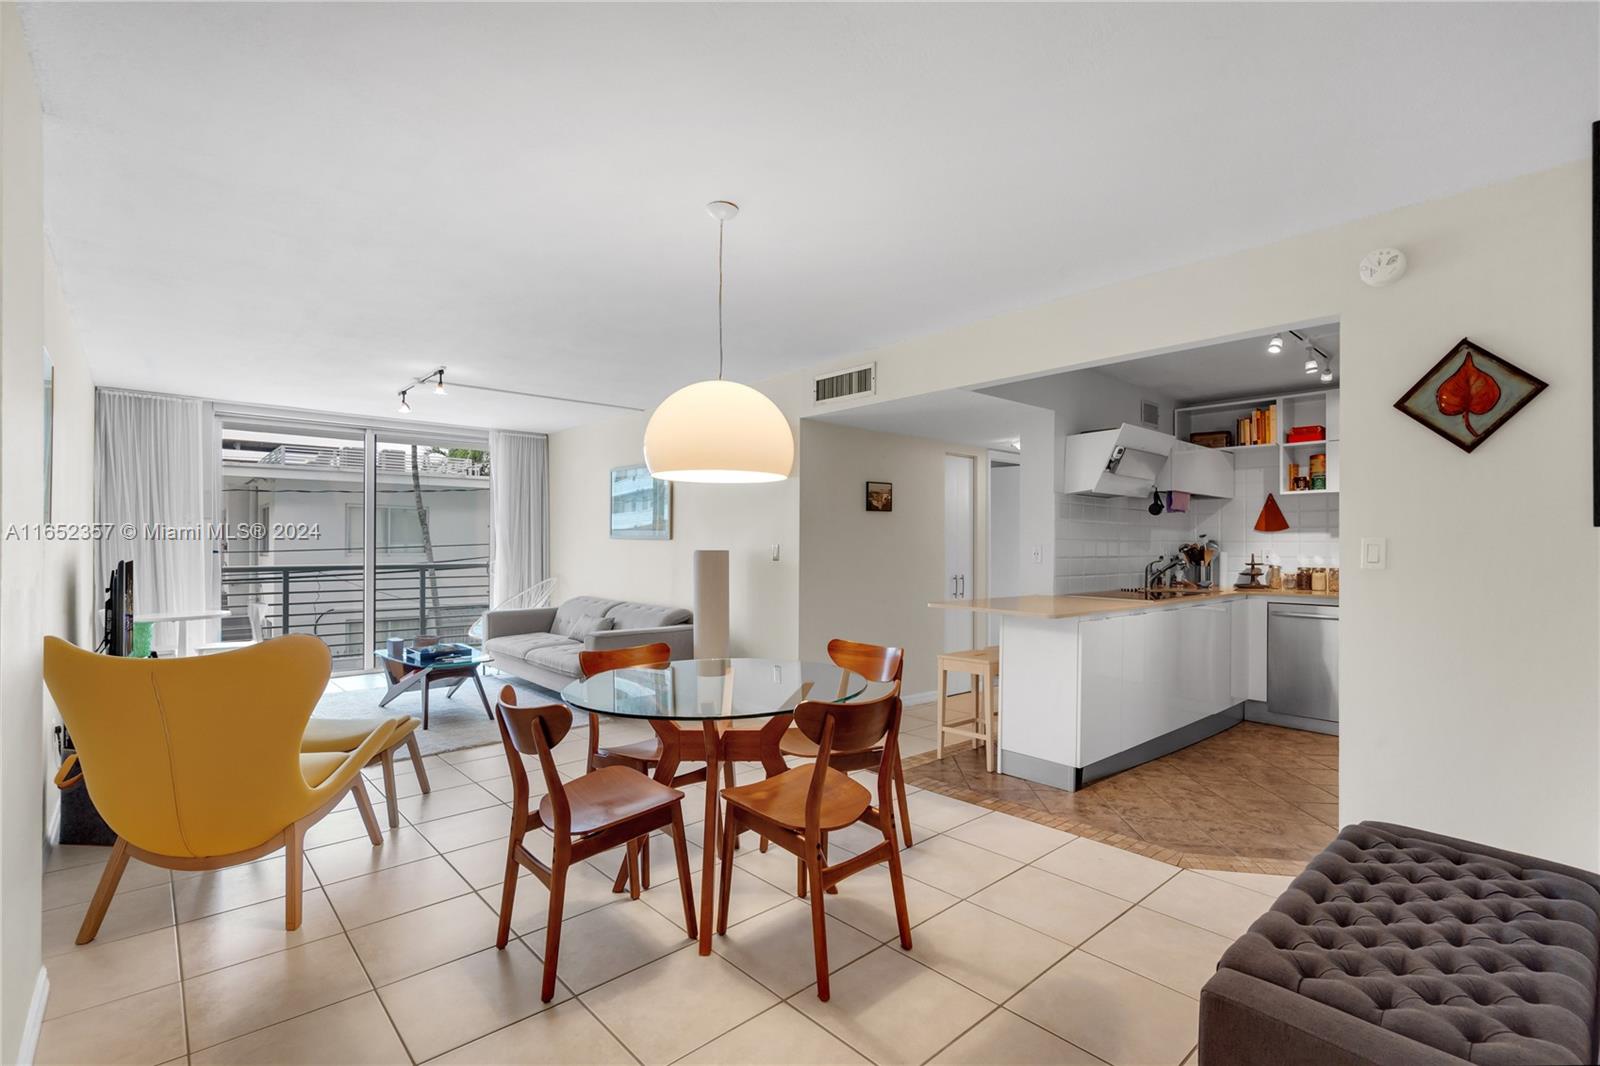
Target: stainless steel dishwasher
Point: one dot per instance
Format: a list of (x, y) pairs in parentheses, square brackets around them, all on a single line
[(1303, 666)]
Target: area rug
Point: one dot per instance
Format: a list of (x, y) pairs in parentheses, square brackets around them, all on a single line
[(453, 723)]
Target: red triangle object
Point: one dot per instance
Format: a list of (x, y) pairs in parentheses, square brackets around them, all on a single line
[(1271, 519)]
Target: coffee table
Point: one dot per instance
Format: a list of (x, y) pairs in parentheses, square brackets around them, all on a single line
[(457, 669)]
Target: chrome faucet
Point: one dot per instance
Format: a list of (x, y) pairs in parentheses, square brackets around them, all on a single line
[(1153, 575)]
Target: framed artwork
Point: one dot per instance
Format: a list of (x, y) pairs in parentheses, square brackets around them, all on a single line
[(880, 495), (1469, 394), (641, 506)]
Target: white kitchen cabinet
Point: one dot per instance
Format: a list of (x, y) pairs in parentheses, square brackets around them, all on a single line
[(1256, 648), (1198, 471)]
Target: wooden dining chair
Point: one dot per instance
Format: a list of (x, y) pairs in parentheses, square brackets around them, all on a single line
[(875, 663), (799, 808), (643, 755), (606, 808)]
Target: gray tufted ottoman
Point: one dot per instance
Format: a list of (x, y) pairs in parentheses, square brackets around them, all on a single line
[(1398, 946)]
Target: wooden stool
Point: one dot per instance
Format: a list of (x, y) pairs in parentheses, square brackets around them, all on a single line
[(984, 666)]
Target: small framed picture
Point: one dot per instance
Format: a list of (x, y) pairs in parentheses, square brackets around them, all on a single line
[(880, 495), (641, 506)]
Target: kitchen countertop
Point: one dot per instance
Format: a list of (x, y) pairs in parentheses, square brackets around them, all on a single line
[(1081, 605)]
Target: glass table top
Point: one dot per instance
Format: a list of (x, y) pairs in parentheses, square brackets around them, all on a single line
[(700, 689), (469, 656)]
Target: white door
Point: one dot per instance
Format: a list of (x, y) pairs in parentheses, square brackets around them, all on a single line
[(959, 478)]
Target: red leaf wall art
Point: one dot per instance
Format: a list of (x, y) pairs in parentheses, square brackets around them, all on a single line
[(1469, 394)]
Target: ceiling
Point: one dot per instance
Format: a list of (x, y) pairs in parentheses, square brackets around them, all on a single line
[(954, 416), (310, 204), (1232, 368)]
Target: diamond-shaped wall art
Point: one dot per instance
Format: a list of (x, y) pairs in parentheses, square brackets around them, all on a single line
[(1469, 394)]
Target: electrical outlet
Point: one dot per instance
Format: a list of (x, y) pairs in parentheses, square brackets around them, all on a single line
[(1038, 553), (1374, 553)]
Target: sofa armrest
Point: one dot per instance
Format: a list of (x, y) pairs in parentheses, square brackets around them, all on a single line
[(679, 638), (512, 623)]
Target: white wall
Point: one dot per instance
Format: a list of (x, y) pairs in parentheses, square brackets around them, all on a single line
[(1312, 538), (1005, 537), (43, 588), (870, 576)]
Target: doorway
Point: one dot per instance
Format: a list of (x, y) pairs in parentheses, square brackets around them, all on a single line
[(960, 542)]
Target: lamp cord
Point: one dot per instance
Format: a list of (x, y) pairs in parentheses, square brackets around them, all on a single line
[(720, 225)]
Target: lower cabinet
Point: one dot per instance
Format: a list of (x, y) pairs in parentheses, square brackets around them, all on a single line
[(1144, 674)]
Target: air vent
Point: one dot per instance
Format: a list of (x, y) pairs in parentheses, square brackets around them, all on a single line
[(857, 381), (1150, 414)]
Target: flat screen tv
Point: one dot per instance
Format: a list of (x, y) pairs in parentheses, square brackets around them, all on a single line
[(119, 610)]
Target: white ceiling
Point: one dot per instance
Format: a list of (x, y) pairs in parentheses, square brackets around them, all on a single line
[(1231, 368), (309, 204), (955, 416)]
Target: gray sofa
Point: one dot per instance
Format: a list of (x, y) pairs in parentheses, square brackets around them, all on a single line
[(1399, 946), (541, 644)]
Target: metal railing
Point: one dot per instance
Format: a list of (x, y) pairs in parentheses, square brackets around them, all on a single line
[(326, 600)]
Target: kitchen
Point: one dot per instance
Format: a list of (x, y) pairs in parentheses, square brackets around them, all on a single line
[(1196, 571)]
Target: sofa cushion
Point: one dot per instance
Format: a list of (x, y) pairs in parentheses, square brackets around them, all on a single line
[(570, 613), (1488, 957), (646, 615), (561, 659), (588, 624), (519, 645)]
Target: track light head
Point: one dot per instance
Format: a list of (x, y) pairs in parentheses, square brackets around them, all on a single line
[(1275, 345), (405, 408), (438, 384), (1327, 370)]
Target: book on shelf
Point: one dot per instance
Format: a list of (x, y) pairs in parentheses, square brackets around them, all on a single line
[(1259, 426)]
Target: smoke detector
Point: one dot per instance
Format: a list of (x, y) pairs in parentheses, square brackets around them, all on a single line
[(1382, 267)]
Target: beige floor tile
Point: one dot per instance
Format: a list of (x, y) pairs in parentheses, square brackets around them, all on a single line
[(750, 896), (240, 999), (894, 1010), (609, 941), (854, 839), (353, 858), (774, 866), (352, 1032), (1179, 955), (912, 744), (565, 1034), (663, 860), (444, 802), (866, 901), (1118, 1016), (1054, 906), (98, 973), (344, 825), (464, 830), (245, 933), (501, 788), (68, 856), (466, 755), (587, 888), (775, 947), (75, 885), (484, 865), (940, 813), (1225, 909), (395, 890), (484, 769), (672, 1006), (1273, 885), (459, 1002), (954, 866), (419, 940), (781, 1036), (1003, 1039), (142, 1028), (991, 955), (215, 891), (440, 776), (1015, 838), (142, 910), (1109, 869)]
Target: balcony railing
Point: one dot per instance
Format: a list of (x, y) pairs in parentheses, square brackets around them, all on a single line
[(326, 600)]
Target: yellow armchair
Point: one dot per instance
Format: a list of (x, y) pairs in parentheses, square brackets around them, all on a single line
[(196, 763)]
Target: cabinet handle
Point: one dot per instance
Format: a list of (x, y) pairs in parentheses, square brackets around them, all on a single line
[(1310, 617)]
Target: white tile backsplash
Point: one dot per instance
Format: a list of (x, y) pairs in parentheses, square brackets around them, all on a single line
[(1105, 543)]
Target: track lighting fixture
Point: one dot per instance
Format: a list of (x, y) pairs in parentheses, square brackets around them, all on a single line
[(438, 383), (405, 408), (1275, 345), (1327, 370)]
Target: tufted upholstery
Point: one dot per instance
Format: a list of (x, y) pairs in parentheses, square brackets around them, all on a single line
[(1475, 953)]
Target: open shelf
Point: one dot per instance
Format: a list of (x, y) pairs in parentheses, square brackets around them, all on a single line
[(1318, 408)]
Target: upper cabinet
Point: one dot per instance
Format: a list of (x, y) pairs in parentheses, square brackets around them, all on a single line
[(1112, 462), (1198, 471)]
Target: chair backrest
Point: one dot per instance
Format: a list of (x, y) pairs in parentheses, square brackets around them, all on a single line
[(533, 730), (850, 727), (196, 756), (872, 661), (598, 662)]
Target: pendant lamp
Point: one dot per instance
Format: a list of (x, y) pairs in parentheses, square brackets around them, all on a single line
[(719, 431)]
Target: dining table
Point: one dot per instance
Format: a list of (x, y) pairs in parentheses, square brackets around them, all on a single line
[(728, 698)]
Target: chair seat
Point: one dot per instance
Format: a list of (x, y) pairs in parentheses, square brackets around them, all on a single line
[(782, 799), (801, 746), (610, 795), (647, 750), (347, 734), (317, 768)]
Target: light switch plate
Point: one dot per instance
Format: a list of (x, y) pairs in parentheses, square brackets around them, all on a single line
[(1374, 553), (775, 552)]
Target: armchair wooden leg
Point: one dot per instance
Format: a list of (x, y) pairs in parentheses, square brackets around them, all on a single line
[(730, 834), (633, 868), (364, 805), (416, 761), (104, 891), (294, 858), (900, 788), (644, 861), (508, 896), (685, 880), (552, 930), (897, 883), (819, 927), (388, 788)]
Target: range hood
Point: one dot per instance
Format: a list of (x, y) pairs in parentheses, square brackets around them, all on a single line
[(1114, 462)]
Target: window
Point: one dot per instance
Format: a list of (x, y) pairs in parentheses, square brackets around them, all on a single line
[(399, 529)]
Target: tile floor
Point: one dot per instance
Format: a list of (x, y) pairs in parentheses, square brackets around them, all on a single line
[(1030, 945), (1257, 797)]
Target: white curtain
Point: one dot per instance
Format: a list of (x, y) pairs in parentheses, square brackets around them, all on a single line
[(519, 509), (150, 479)]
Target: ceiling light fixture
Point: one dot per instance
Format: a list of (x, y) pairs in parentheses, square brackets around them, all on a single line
[(1275, 345), (405, 408), (1327, 369), (438, 384), (719, 431)]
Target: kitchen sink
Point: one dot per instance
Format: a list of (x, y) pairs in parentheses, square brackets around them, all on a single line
[(1148, 594)]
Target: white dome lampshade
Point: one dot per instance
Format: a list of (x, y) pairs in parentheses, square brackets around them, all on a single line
[(721, 432)]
